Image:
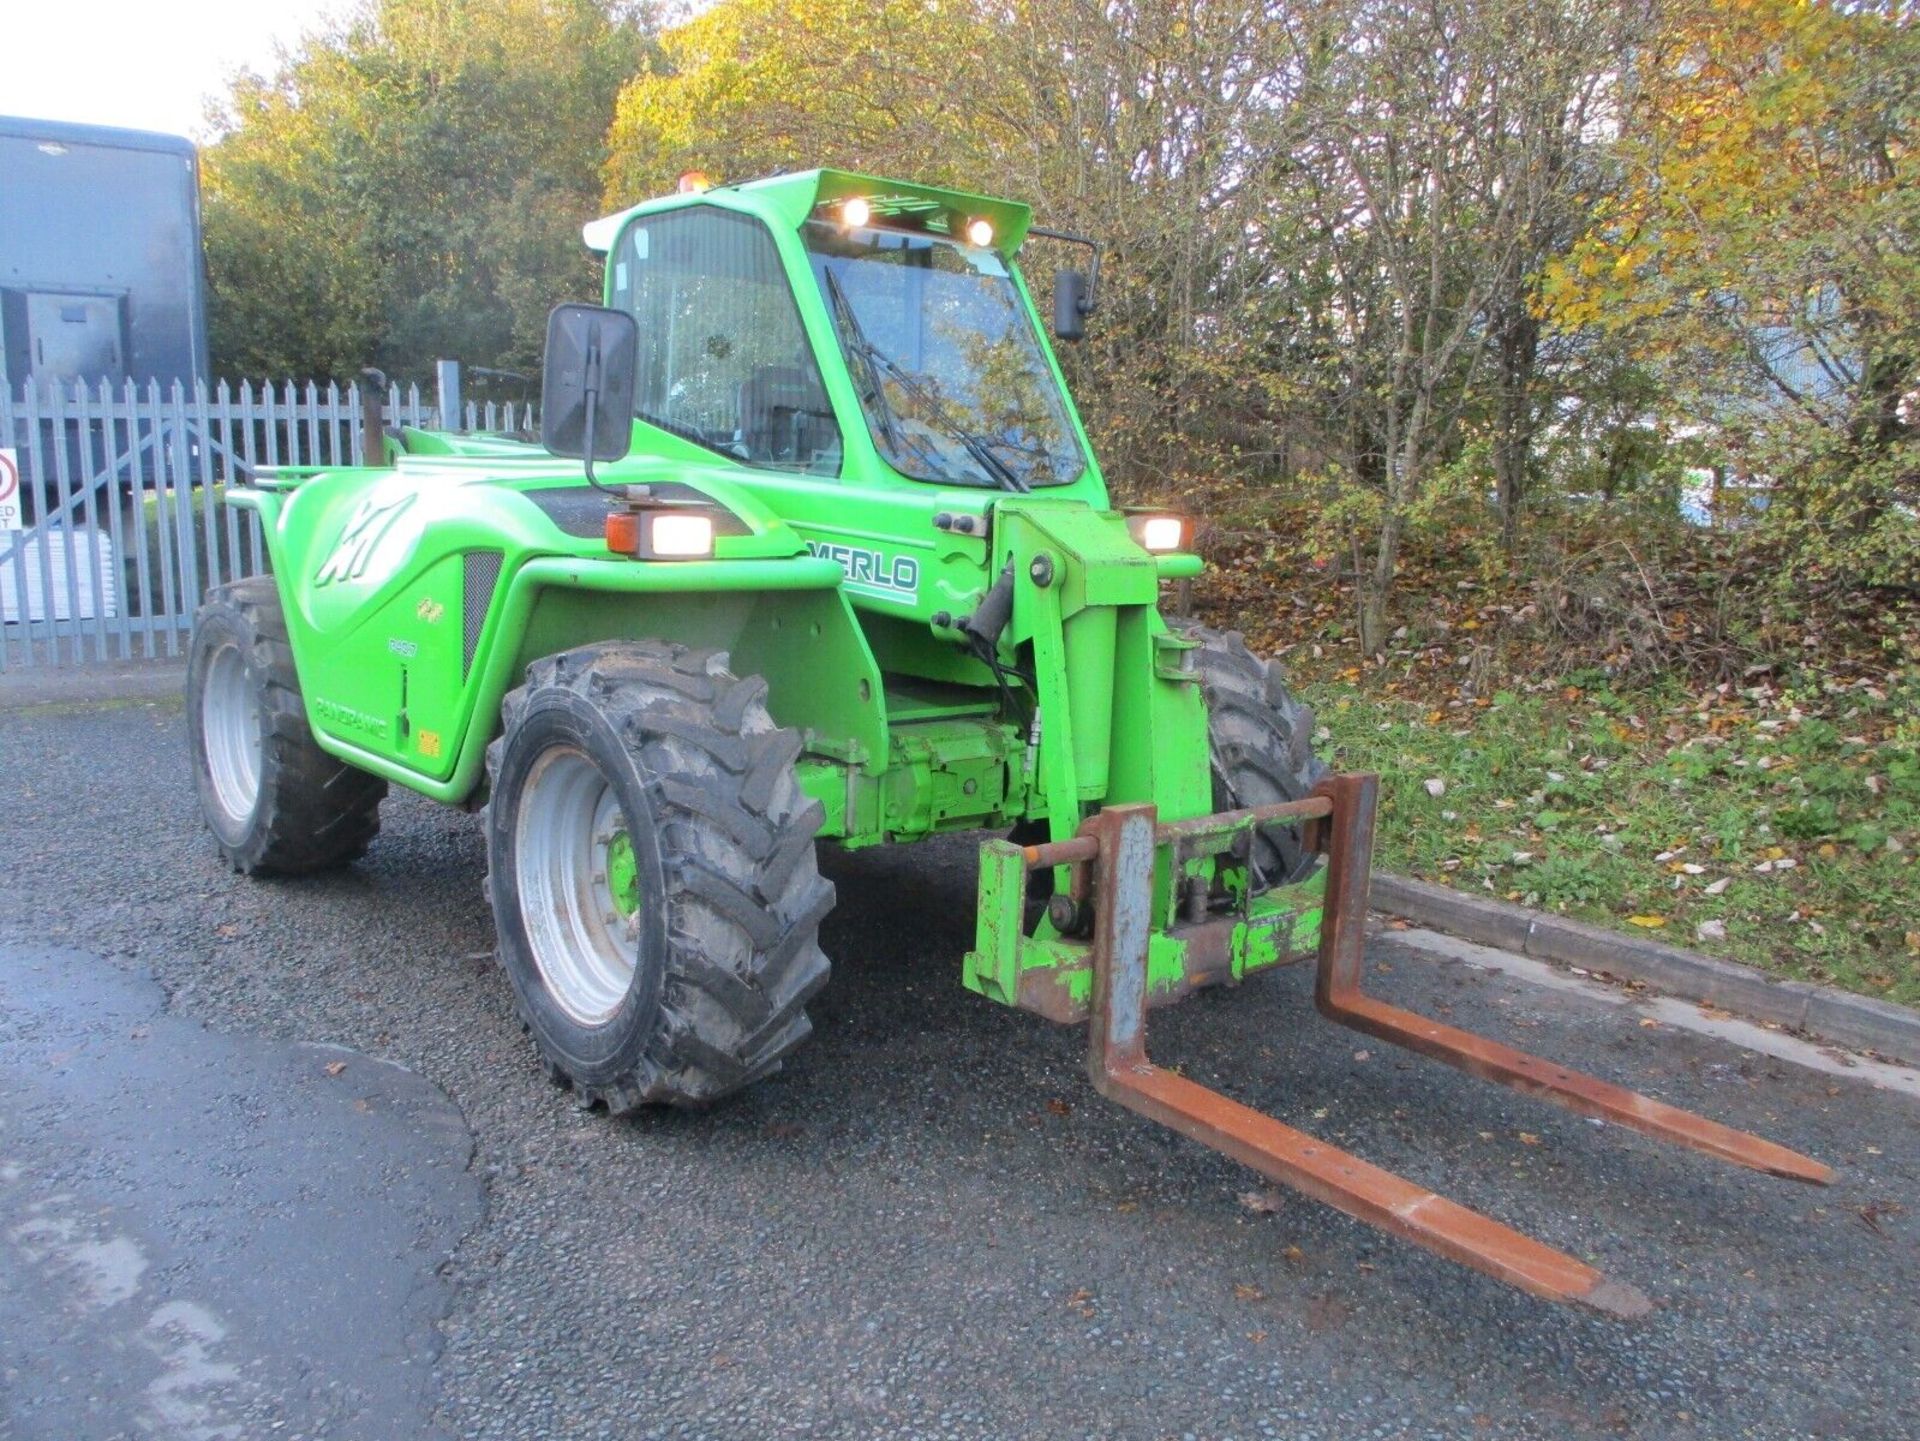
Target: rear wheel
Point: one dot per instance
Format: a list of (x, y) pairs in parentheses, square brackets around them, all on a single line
[(652, 875), (276, 803), (1260, 743)]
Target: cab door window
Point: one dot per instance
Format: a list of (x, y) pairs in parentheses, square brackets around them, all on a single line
[(723, 359)]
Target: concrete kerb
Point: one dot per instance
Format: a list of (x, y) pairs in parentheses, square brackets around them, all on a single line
[(1860, 1022)]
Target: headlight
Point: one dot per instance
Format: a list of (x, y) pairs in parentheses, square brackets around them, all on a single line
[(855, 213), (662, 534), (1161, 534), (680, 537), (979, 232)]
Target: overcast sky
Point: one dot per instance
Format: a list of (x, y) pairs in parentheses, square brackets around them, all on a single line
[(139, 63)]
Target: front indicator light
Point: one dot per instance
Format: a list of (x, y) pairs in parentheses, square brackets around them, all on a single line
[(682, 537), (623, 532), (1160, 534)]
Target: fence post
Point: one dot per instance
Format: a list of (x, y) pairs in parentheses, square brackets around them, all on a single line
[(138, 423), (10, 540), (90, 511), (372, 392), (446, 379)]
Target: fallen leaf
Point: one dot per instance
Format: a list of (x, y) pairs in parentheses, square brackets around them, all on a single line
[(1527, 1138), (1362, 1055), (1060, 1107), (1243, 1292), (1294, 1253), (1719, 887), (1710, 931), (1650, 922), (1263, 1203), (1649, 1023), (334, 1068)]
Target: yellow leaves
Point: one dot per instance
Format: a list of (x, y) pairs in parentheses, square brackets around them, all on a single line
[(751, 85), (1652, 923)]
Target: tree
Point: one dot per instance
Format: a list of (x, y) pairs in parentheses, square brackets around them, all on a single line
[(1761, 248), (411, 184), (1433, 151)]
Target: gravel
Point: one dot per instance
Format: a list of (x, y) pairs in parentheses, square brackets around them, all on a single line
[(928, 1225)]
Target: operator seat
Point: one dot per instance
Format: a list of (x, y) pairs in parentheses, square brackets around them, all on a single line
[(784, 414)]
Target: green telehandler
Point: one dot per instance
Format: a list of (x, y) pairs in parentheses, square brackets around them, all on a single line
[(812, 547)]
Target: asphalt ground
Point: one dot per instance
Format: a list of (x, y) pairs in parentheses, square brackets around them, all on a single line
[(928, 1225), (211, 1234)]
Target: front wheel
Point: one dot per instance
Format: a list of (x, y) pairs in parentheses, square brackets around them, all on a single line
[(651, 869), (1260, 744)]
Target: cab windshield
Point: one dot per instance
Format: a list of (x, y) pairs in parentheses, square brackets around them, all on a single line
[(944, 358)]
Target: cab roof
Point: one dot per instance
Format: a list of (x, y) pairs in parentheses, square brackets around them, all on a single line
[(787, 200)]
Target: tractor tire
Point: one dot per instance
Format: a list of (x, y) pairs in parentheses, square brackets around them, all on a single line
[(276, 803), (1260, 740), (650, 863)]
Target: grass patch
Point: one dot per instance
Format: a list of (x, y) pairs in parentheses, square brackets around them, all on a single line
[(1731, 821)]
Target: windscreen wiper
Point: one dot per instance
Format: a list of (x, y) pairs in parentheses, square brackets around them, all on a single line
[(877, 360), (856, 338)]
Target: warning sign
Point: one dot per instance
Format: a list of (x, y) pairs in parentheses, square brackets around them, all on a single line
[(9, 490)]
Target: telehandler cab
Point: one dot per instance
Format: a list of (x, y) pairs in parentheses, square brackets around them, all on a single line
[(846, 570)]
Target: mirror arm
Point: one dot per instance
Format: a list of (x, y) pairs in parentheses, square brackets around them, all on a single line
[(1093, 267), (591, 372)]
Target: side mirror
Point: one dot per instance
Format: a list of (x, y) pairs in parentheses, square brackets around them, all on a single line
[(586, 388), (1070, 305)]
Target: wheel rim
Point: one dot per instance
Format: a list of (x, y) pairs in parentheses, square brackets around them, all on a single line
[(579, 885), (230, 733)]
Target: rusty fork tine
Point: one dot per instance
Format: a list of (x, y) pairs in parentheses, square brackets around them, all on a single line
[(1365, 1192), (1117, 1062), (1340, 996), (1585, 1094)]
